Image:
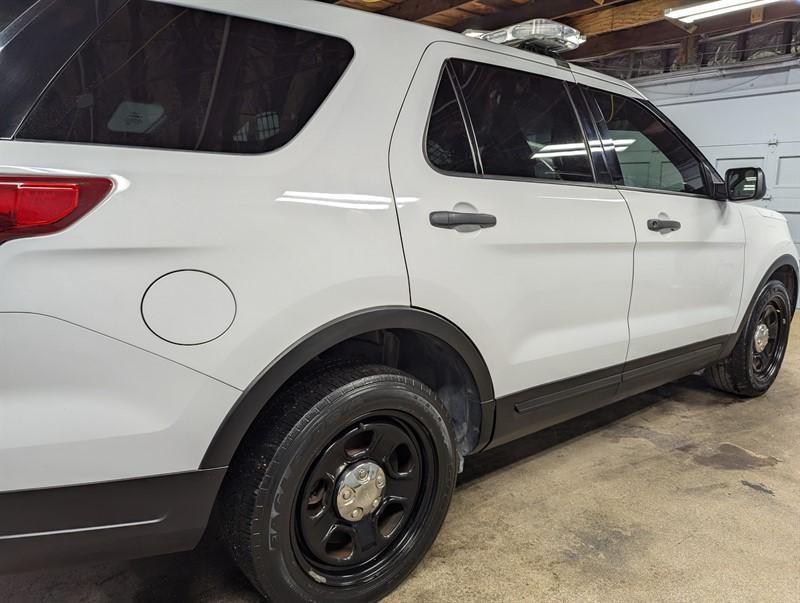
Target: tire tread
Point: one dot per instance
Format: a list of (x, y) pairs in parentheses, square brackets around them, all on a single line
[(288, 412), (732, 374)]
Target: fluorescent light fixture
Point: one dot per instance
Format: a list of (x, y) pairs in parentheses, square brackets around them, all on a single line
[(690, 14), (540, 33)]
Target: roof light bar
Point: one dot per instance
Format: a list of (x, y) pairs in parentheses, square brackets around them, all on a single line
[(544, 34), (690, 14)]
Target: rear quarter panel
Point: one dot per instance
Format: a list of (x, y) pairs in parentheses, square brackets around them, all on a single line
[(302, 235)]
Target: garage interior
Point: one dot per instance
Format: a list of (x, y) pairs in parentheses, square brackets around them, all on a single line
[(682, 493)]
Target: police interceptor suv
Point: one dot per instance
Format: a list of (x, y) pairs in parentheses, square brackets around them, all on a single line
[(296, 262)]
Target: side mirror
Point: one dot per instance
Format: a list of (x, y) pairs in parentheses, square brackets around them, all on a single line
[(745, 184)]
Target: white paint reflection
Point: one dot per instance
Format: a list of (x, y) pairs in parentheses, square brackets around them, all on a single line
[(342, 200)]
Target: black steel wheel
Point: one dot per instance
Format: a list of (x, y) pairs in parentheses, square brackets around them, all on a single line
[(348, 543), (341, 486), (769, 339), (753, 365)]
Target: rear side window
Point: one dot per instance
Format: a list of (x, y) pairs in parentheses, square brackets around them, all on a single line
[(448, 145), (156, 75), (650, 155), (524, 124), (11, 9)]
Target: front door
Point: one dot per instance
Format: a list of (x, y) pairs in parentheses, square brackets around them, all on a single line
[(689, 258), (540, 275)]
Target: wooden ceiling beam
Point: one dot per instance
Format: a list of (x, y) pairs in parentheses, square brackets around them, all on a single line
[(453, 18), (419, 10), (372, 7), (664, 32), (538, 9), (627, 16)]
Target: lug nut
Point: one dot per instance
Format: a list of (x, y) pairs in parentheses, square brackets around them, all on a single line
[(362, 474), (356, 514), (381, 482), (376, 502), (347, 494)]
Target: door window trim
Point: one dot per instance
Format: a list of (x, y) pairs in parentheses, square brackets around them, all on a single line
[(612, 158), (479, 173), (469, 127), (591, 131), (446, 71)]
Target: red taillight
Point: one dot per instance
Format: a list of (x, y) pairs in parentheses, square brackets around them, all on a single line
[(32, 206)]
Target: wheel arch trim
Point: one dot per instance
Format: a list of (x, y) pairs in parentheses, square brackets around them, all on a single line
[(253, 399), (782, 262)]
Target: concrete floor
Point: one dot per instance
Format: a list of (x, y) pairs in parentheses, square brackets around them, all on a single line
[(679, 494)]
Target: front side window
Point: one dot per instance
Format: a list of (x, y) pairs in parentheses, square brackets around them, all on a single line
[(524, 124), (156, 75), (650, 155)]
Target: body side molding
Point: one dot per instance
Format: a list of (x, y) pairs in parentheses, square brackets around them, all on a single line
[(258, 393), (540, 407)]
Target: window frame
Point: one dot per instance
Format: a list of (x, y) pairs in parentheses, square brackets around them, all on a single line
[(570, 89), (446, 71), (87, 37), (612, 157)]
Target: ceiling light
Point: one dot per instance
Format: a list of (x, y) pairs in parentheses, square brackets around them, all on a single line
[(690, 14)]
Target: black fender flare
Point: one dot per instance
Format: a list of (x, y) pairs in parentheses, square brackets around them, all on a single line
[(253, 399), (781, 262)]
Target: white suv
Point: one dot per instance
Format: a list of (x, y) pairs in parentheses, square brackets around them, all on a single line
[(298, 261)]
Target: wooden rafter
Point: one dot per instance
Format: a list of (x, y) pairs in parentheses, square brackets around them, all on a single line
[(627, 16), (548, 9), (368, 6), (418, 10), (477, 14), (609, 24), (664, 32), (462, 11)]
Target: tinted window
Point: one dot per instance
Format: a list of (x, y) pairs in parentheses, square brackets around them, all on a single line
[(447, 143), (11, 9), (524, 124), (650, 155), (157, 75), (35, 47)]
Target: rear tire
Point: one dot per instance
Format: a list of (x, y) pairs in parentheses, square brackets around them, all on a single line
[(370, 437), (753, 365)]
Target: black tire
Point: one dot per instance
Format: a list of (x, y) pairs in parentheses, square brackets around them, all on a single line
[(281, 481), (747, 372)]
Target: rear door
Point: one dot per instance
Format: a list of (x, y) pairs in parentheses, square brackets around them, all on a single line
[(689, 256), (544, 292)]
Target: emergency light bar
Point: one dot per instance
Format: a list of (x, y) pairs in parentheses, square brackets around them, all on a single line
[(542, 34)]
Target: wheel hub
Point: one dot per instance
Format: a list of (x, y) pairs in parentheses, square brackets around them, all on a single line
[(761, 338), (360, 491)]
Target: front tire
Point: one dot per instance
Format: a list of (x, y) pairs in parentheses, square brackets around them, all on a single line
[(341, 486), (753, 365)]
